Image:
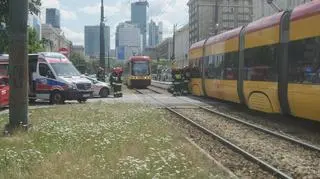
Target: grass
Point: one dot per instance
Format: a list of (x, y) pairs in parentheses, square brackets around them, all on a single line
[(101, 141)]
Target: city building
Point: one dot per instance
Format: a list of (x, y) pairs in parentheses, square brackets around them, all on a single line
[(155, 33), (53, 17), (151, 52), (35, 23), (92, 40), (181, 46), (128, 40), (164, 49), (112, 53), (210, 17), (160, 26), (54, 38), (139, 17), (78, 49), (261, 8)]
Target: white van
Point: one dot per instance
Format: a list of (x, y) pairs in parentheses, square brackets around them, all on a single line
[(53, 77)]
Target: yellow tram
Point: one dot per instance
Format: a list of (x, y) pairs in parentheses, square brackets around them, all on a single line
[(138, 72), (270, 65)]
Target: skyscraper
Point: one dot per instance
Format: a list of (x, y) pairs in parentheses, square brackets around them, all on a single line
[(160, 26), (155, 33), (139, 17), (128, 40), (92, 40), (53, 17)]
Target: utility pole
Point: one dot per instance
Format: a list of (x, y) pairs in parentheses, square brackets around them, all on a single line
[(18, 68), (102, 42), (108, 59), (173, 42), (216, 18)]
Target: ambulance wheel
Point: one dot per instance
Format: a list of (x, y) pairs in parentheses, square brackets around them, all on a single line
[(104, 92), (56, 97)]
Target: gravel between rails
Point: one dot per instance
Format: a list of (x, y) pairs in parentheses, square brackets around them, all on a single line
[(237, 163), (290, 158), (293, 127)]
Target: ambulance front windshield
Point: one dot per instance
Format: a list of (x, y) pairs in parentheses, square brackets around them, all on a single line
[(65, 69)]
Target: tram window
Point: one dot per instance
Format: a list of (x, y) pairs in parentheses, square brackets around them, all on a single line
[(304, 61), (140, 68), (195, 70), (231, 63), (215, 66), (260, 64), (206, 62)]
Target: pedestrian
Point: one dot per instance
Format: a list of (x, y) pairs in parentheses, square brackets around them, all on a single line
[(100, 74), (116, 82), (177, 81), (186, 79)]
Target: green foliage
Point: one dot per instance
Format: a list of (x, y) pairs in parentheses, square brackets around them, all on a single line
[(34, 45), (79, 62), (4, 18), (4, 9), (158, 65), (3, 42), (101, 140)]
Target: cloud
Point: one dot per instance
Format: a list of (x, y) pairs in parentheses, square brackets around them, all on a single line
[(166, 11), (77, 38), (109, 10), (50, 3), (68, 15), (65, 14)]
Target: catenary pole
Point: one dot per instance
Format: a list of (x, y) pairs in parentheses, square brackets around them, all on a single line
[(102, 42)]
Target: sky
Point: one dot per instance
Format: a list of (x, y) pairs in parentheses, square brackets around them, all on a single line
[(75, 14)]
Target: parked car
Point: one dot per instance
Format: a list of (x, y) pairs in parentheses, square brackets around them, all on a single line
[(100, 89), (4, 91)]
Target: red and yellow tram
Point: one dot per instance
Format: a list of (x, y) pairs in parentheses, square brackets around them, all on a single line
[(270, 65), (138, 72)]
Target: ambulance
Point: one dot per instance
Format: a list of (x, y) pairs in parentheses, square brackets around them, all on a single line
[(53, 77)]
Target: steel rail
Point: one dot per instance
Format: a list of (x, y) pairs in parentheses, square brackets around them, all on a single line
[(246, 154), (268, 131)]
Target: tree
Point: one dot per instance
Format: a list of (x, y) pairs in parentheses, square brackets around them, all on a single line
[(79, 62), (34, 45), (4, 9), (4, 18)]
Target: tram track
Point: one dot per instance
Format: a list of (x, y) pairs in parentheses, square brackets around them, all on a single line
[(252, 159), (265, 130), (302, 160), (271, 129)]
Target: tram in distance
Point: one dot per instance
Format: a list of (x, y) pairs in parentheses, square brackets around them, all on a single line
[(270, 65), (138, 72)]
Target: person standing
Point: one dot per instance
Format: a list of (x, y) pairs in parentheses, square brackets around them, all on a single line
[(116, 82), (186, 79), (177, 81), (100, 74)]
